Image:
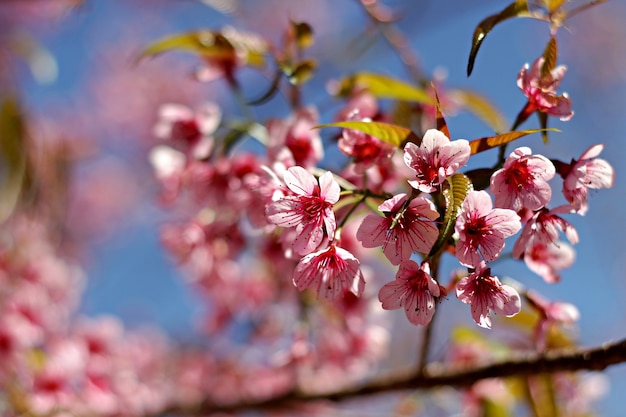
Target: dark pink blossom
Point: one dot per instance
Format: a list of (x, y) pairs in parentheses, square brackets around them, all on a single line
[(543, 227), (585, 173), (485, 293), (548, 259), (482, 229), (414, 289), (294, 141), (541, 90), (402, 230), (365, 150), (330, 272), (309, 209), (523, 181), (188, 130), (435, 159)]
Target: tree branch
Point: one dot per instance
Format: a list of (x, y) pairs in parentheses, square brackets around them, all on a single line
[(437, 375)]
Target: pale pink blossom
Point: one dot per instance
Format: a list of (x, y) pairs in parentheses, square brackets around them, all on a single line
[(297, 136), (190, 131), (523, 181), (543, 227), (541, 90), (435, 159), (403, 228), (482, 229), (309, 210), (550, 313), (548, 259), (414, 289), (585, 173), (330, 272), (485, 293)]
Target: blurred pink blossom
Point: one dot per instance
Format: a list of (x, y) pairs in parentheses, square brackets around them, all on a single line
[(541, 90)]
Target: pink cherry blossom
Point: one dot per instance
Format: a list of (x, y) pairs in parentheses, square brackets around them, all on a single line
[(485, 293), (403, 229), (548, 259), (308, 210), (188, 130), (482, 229), (541, 90), (414, 289), (550, 313), (365, 150), (543, 227), (330, 272), (294, 141), (585, 173), (522, 182), (435, 159)]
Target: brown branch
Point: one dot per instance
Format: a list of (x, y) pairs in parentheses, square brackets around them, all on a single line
[(437, 375)]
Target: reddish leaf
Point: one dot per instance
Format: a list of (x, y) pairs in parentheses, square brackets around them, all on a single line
[(442, 126), (549, 56), (483, 144), (518, 8)]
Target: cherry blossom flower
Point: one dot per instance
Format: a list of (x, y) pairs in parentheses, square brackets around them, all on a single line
[(522, 182), (548, 260), (297, 136), (550, 313), (482, 229), (404, 229), (541, 90), (366, 150), (308, 210), (585, 173), (485, 293), (435, 159), (330, 272), (543, 227), (414, 289), (188, 130)]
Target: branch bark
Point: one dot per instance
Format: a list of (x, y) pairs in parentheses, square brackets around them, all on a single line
[(437, 375)]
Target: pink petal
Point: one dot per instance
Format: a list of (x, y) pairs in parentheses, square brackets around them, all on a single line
[(300, 181)]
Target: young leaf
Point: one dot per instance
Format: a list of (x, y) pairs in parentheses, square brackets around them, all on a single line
[(480, 107), (519, 8), (455, 188), (382, 86), (302, 72), (209, 44), (550, 57), (13, 156), (483, 144), (393, 134), (303, 34)]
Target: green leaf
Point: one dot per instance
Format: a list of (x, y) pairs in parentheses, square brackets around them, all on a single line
[(480, 107), (210, 44), (518, 8), (454, 191), (384, 87), (550, 57), (392, 134), (486, 143)]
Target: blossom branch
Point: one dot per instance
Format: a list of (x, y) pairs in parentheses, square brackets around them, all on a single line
[(436, 375)]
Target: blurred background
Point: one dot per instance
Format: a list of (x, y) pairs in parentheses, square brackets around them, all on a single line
[(72, 65)]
